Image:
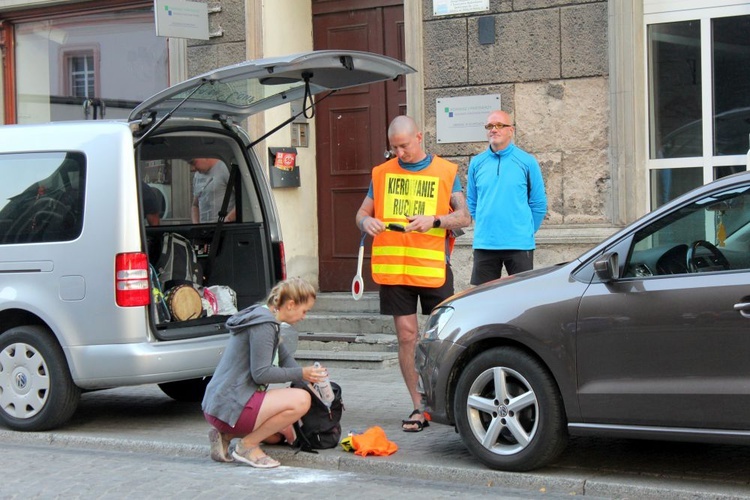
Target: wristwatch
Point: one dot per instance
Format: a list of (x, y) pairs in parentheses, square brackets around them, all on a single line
[(436, 222)]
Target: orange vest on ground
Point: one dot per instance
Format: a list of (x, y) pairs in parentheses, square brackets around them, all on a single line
[(415, 259)]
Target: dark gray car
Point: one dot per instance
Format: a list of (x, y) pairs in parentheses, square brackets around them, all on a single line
[(645, 336)]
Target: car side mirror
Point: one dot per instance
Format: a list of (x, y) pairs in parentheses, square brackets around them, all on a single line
[(607, 267)]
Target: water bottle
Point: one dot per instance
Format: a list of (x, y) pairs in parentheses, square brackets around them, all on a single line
[(325, 391)]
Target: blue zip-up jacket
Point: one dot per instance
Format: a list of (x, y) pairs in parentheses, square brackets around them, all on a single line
[(505, 196)]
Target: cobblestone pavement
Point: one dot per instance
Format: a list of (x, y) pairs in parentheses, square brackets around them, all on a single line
[(70, 473), (142, 419)]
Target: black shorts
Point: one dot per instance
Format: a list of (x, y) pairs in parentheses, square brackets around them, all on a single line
[(401, 300), (488, 264)]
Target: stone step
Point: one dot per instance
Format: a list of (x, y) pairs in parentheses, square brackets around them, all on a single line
[(343, 333), (346, 322), (348, 359), (342, 342), (343, 302)]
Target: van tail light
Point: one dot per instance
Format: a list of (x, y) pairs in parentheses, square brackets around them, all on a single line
[(132, 286)]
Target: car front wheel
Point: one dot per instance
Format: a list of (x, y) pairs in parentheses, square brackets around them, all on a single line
[(509, 412), (36, 390)]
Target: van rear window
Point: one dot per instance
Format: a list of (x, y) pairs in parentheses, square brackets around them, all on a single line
[(41, 196)]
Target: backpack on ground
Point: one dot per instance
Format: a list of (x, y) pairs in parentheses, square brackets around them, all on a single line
[(178, 262), (320, 428)]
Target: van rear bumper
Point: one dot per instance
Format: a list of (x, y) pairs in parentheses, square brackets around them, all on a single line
[(112, 365)]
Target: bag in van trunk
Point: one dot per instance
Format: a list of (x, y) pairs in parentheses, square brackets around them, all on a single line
[(178, 262)]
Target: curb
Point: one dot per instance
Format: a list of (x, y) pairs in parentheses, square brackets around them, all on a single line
[(561, 481)]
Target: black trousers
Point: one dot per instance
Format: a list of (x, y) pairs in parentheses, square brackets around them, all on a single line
[(488, 264)]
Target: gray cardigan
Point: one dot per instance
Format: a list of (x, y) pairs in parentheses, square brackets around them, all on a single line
[(247, 363)]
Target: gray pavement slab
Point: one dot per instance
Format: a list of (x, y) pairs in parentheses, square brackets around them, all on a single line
[(70, 473), (142, 419)]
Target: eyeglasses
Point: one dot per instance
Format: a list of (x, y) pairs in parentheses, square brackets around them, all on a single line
[(498, 126)]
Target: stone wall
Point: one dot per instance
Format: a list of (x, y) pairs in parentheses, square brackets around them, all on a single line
[(227, 44), (549, 64)]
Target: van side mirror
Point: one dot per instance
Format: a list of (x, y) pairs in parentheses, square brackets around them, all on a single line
[(607, 267)]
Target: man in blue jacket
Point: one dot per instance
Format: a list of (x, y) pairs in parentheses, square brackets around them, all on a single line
[(505, 196)]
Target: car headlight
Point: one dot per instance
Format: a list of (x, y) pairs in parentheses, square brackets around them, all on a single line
[(437, 320)]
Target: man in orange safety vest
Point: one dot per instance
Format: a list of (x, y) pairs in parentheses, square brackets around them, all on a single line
[(414, 202)]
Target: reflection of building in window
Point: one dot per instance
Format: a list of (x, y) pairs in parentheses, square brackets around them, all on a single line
[(108, 54), (80, 73)]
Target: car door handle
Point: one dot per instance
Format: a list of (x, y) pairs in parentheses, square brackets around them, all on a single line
[(743, 308)]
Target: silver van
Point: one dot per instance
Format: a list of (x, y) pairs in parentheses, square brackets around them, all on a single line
[(85, 208)]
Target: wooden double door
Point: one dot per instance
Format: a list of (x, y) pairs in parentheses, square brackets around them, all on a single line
[(351, 130)]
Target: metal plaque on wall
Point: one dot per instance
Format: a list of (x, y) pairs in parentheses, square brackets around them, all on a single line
[(461, 119)]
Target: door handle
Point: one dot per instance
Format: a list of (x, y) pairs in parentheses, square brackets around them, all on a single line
[(743, 308)]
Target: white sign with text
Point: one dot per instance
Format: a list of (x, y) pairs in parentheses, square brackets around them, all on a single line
[(181, 19), (448, 7), (462, 119)]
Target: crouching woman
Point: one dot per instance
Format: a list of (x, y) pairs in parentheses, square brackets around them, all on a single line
[(237, 402)]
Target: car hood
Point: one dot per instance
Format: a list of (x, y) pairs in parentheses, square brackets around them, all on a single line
[(250, 87), (508, 281)]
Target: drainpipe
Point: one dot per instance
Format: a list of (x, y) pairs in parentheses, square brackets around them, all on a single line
[(7, 63)]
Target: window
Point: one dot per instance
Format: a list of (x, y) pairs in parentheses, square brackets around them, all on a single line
[(698, 95), (41, 197), (712, 234), (187, 191), (61, 62), (80, 74)]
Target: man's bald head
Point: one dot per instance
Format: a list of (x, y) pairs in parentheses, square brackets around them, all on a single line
[(402, 125), (405, 139)]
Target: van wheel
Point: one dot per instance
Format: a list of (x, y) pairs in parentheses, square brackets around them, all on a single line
[(186, 391), (37, 392), (509, 412)]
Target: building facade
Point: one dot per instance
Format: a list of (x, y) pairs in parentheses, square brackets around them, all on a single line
[(625, 103)]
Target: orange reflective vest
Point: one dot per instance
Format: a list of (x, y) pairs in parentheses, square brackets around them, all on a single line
[(415, 259)]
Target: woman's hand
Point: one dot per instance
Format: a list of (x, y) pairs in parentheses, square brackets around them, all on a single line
[(314, 374)]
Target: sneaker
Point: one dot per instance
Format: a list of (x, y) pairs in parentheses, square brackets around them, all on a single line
[(219, 446), (242, 454)]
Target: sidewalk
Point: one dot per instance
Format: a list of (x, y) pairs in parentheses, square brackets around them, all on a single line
[(143, 419)]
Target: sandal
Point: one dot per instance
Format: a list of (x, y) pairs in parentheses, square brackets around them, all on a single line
[(219, 446), (420, 424), (242, 454)]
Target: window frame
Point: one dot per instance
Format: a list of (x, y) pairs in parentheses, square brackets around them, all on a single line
[(680, 11), (176, 48), (65, 58)]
